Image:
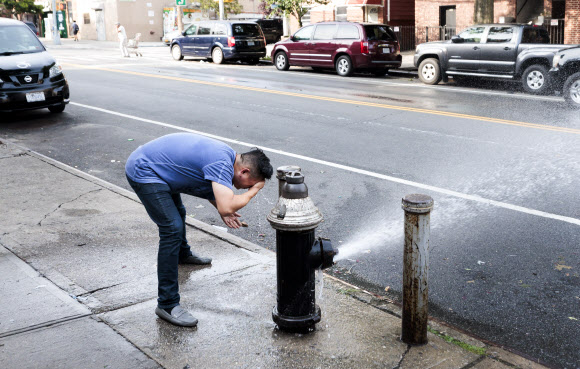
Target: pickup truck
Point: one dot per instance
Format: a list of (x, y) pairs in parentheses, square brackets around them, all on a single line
[(506, 51)]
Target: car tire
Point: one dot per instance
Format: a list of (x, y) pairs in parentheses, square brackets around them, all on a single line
[(176, 52), (571, 90), (535, 80), (57, 108), (281, 61), (430, 71), (344, 66), (217, 55)]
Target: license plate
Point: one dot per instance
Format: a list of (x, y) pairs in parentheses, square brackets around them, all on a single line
[(386, 50), (250, 43), (35, 96)]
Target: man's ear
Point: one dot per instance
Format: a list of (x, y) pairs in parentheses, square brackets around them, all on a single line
[(245, 171)]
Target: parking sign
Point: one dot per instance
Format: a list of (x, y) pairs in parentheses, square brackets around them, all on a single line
[(179, 2)]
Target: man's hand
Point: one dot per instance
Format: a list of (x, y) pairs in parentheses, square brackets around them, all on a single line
[(259, 185), (232, 220)]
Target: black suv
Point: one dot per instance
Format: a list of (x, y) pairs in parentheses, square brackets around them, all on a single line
[(565, 73), (272, 28), (30, 78), (221, 40)]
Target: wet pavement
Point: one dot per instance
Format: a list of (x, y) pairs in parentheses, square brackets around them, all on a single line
[(78, 275)]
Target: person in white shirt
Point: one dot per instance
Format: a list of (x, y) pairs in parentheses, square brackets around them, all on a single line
[(122, 39)]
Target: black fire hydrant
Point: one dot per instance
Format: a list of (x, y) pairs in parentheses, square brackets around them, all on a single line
[(298, 253)]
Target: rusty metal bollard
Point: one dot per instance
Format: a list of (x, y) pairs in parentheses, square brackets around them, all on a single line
[(416, 268)]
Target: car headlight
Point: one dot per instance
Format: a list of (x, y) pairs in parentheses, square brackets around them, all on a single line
[(55, 71), (556, 60)]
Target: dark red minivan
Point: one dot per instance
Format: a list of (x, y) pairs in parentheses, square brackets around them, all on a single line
[(344, 46)]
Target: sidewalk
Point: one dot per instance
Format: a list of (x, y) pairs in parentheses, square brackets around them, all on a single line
[(78, 276)]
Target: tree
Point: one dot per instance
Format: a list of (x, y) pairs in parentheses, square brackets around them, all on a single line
[(298, 8), (267, 10), (483, 12), (19, 7), (231, 7)]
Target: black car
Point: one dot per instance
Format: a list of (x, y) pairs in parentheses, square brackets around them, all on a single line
[(30, 78), (565, 73), (32, 26), (221, 40), (272, 28)]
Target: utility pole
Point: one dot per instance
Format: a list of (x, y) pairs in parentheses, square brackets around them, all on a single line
[(483, 12), (221, 9), (179, 19), (55, 32)]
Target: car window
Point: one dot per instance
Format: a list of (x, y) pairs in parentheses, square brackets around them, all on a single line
[(380, 33), (500, 34), (347, 31), (325, 32), (535, 36), (220, 29), (19, 39), (472, 34), (204, 29), (246, 29), (190, 31), (304, 33)]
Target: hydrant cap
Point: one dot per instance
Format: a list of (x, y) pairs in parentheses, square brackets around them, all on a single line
[(294, 177), (417, 203), (283, 170)]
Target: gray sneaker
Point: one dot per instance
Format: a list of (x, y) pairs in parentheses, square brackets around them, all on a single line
[(195, 259), (179, 316)]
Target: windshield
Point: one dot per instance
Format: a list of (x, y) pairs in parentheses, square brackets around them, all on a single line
[(246, 29), (380, 33), (18, 40)]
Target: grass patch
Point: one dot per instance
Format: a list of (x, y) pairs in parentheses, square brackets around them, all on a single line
[(267, 58), (347, 291), (476, 350)]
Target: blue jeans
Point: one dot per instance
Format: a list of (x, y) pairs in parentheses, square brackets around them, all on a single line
[(167, 211)]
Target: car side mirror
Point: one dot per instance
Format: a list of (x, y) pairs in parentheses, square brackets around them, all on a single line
[(292, 38), (456, 39), (183, 33)]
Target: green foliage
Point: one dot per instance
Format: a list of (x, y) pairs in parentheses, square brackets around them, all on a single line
[(232, 7), (18, 7), (298, 8)]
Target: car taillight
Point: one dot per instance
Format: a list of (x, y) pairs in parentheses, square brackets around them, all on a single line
[(231, 41), (364, 47)]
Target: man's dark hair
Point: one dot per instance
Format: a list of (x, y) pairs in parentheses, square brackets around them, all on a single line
[(258, 163)]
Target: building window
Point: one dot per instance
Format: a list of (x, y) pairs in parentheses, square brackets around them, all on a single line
[(306, 18), (87, 18), (341, 13)]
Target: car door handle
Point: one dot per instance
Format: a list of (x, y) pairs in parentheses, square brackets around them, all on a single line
[(475, 48), (507, 48)]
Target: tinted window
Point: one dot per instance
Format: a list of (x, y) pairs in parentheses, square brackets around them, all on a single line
[(500, 34), (472, 35), (220, 29), (19, 39), (535, 36), (347, 31), (304, 33), (324, 31), (380, 33), (191, 30), (246, 29), (204, 29)]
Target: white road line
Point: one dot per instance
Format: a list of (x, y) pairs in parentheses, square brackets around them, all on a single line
[(444, 191)]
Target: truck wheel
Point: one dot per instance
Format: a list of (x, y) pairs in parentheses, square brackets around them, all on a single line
[(535, 80), (572, 90), (430, 71)]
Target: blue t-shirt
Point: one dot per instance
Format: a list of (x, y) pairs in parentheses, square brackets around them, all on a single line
[(187, 162)]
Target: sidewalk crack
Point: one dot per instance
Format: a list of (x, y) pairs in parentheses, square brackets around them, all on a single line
[(66, 202), (403, 357)]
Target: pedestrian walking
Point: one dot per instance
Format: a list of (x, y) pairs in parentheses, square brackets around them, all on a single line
[(122, 39), (166, 167), (75, 28)]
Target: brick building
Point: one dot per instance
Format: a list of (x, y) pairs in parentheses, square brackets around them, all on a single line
[(561, 16)]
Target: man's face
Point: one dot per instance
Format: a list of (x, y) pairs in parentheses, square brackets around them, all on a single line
[(243, 180)]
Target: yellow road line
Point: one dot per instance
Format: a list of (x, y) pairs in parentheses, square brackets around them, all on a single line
[(342, 101)]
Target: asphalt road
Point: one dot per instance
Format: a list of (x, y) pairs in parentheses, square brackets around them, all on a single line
[(503, 168)]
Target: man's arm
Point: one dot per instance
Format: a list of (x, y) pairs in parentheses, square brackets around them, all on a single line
[(227, 203)]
